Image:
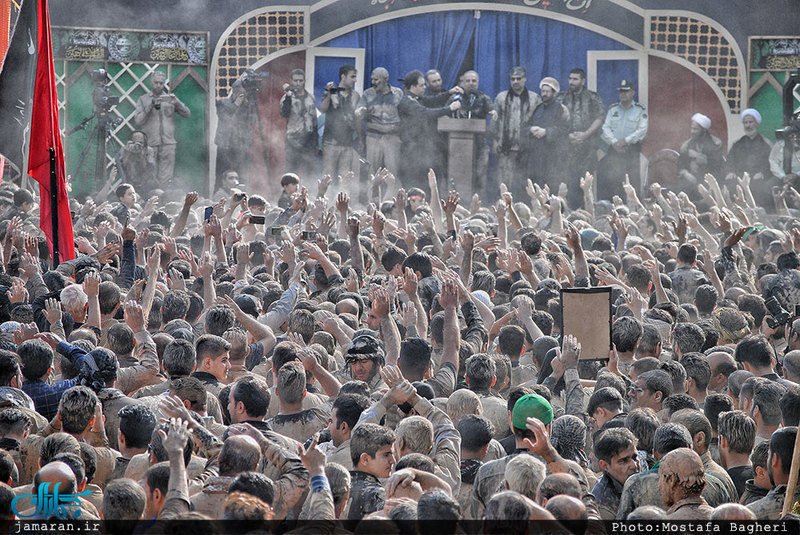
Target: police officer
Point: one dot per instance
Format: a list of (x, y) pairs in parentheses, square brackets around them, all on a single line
[(586, 113), (624, 130)]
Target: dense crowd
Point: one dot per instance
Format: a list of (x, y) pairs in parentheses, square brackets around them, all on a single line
[(315, 358)]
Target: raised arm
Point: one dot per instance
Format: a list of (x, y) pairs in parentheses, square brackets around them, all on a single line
[(381, 301), (180, 223), (452, 337), (328, 382)]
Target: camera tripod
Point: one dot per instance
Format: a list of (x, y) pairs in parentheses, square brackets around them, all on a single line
[(100, 133)]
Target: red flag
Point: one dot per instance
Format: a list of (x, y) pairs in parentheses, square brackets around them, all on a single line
[(45, 135)]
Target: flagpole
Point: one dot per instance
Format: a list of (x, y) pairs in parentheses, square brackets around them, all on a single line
[(54, 205)]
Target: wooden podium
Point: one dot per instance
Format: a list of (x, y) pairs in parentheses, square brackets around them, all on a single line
[(461, 135)]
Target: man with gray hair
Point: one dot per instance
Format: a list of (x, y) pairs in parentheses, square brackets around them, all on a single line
[(791, 366), (523, 474), (378, 104), (514, 108)]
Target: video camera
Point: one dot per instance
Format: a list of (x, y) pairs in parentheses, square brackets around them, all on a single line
[(101, 95), (252, 81), (792, 129), (778, 315)]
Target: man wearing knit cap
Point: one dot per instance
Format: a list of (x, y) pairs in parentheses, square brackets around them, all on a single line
[(547, 131), (700, 154), (624, 131), (750, 154), (529, 408), (363, 361)]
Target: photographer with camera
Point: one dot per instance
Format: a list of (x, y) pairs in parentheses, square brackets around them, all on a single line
[(136, 162), (155, 115), (232, 136), (339, 106), (787, 148), (299, 109)]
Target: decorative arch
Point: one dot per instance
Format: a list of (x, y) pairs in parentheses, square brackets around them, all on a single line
[(703, 44)]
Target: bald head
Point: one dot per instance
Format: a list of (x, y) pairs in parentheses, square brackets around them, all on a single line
[(722, 366), (556, 484), (733, 511), (239, 454), (56, 473), (566, 508), (347, 306)]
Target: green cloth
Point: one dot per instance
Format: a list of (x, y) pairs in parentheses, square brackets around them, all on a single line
[(531, 406)]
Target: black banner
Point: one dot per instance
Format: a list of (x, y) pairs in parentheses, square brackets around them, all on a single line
[(17, 77)]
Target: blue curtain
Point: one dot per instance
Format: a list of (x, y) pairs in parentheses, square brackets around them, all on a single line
[(544, 47), (433, 41)]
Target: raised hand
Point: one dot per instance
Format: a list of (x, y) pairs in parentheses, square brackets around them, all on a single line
[(91, 284), (105, 254), (134, 316), (408, 315), (175, 280), (342, 203), (380, 302), (449, 296), (353, 226), (449, 206), (571, 352), (176, 438), (588, 179), (52, 311)]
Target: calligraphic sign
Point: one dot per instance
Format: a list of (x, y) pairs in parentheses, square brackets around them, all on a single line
[(774, 53), (606, 13), (47, 504), (128, 45)]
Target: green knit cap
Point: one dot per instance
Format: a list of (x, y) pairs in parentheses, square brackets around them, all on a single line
[(531, 406)]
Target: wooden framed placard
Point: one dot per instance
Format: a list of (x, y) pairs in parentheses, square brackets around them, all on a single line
[(586, 315)]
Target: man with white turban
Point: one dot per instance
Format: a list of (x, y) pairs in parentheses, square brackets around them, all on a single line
[(750, 154), (700, 154), (547, 131)]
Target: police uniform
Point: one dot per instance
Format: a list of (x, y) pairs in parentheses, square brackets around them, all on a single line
[(621, 124)]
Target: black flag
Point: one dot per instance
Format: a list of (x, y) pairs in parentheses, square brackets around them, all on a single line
[(17, 77)]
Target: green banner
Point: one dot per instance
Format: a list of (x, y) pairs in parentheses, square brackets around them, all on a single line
[(128, 45)]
